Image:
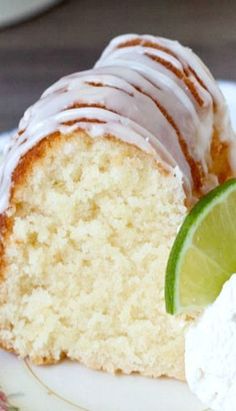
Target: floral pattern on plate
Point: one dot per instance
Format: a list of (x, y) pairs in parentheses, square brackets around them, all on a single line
[(5, 404)]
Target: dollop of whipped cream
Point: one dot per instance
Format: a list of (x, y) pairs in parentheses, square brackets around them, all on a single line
[(210, 352)]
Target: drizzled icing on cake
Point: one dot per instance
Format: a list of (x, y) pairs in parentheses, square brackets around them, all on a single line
[(147, 91), (186, 84)]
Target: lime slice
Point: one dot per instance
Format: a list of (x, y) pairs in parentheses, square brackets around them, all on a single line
[(203, 255)]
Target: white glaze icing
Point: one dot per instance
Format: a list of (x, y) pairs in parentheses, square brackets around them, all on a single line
[(138, 58), (138, 100), (119, 96)]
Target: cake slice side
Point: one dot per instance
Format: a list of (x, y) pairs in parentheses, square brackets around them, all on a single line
[(85, 242)]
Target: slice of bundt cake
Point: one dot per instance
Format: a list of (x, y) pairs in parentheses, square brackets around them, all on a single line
[(93, 188)]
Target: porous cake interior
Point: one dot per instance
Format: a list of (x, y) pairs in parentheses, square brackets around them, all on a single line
[(92, 222)]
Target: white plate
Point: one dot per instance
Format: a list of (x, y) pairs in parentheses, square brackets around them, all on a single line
[(14, 11), (70, 386)]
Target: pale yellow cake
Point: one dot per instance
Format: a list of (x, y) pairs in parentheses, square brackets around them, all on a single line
[(93, 189)]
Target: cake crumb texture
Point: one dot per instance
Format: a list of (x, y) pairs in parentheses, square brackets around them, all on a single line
[(90, 227)]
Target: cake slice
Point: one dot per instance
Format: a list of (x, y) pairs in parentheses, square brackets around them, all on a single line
[(93, 188)]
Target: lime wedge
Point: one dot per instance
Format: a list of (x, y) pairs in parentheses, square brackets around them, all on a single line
[(203, 255)]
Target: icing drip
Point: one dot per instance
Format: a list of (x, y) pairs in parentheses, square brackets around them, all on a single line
[(171, 61), (147, 91)]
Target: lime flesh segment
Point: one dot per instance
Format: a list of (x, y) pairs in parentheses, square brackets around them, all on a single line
[(203, 255)]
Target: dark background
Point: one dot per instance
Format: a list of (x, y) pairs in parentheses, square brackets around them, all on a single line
[(71, 36)]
